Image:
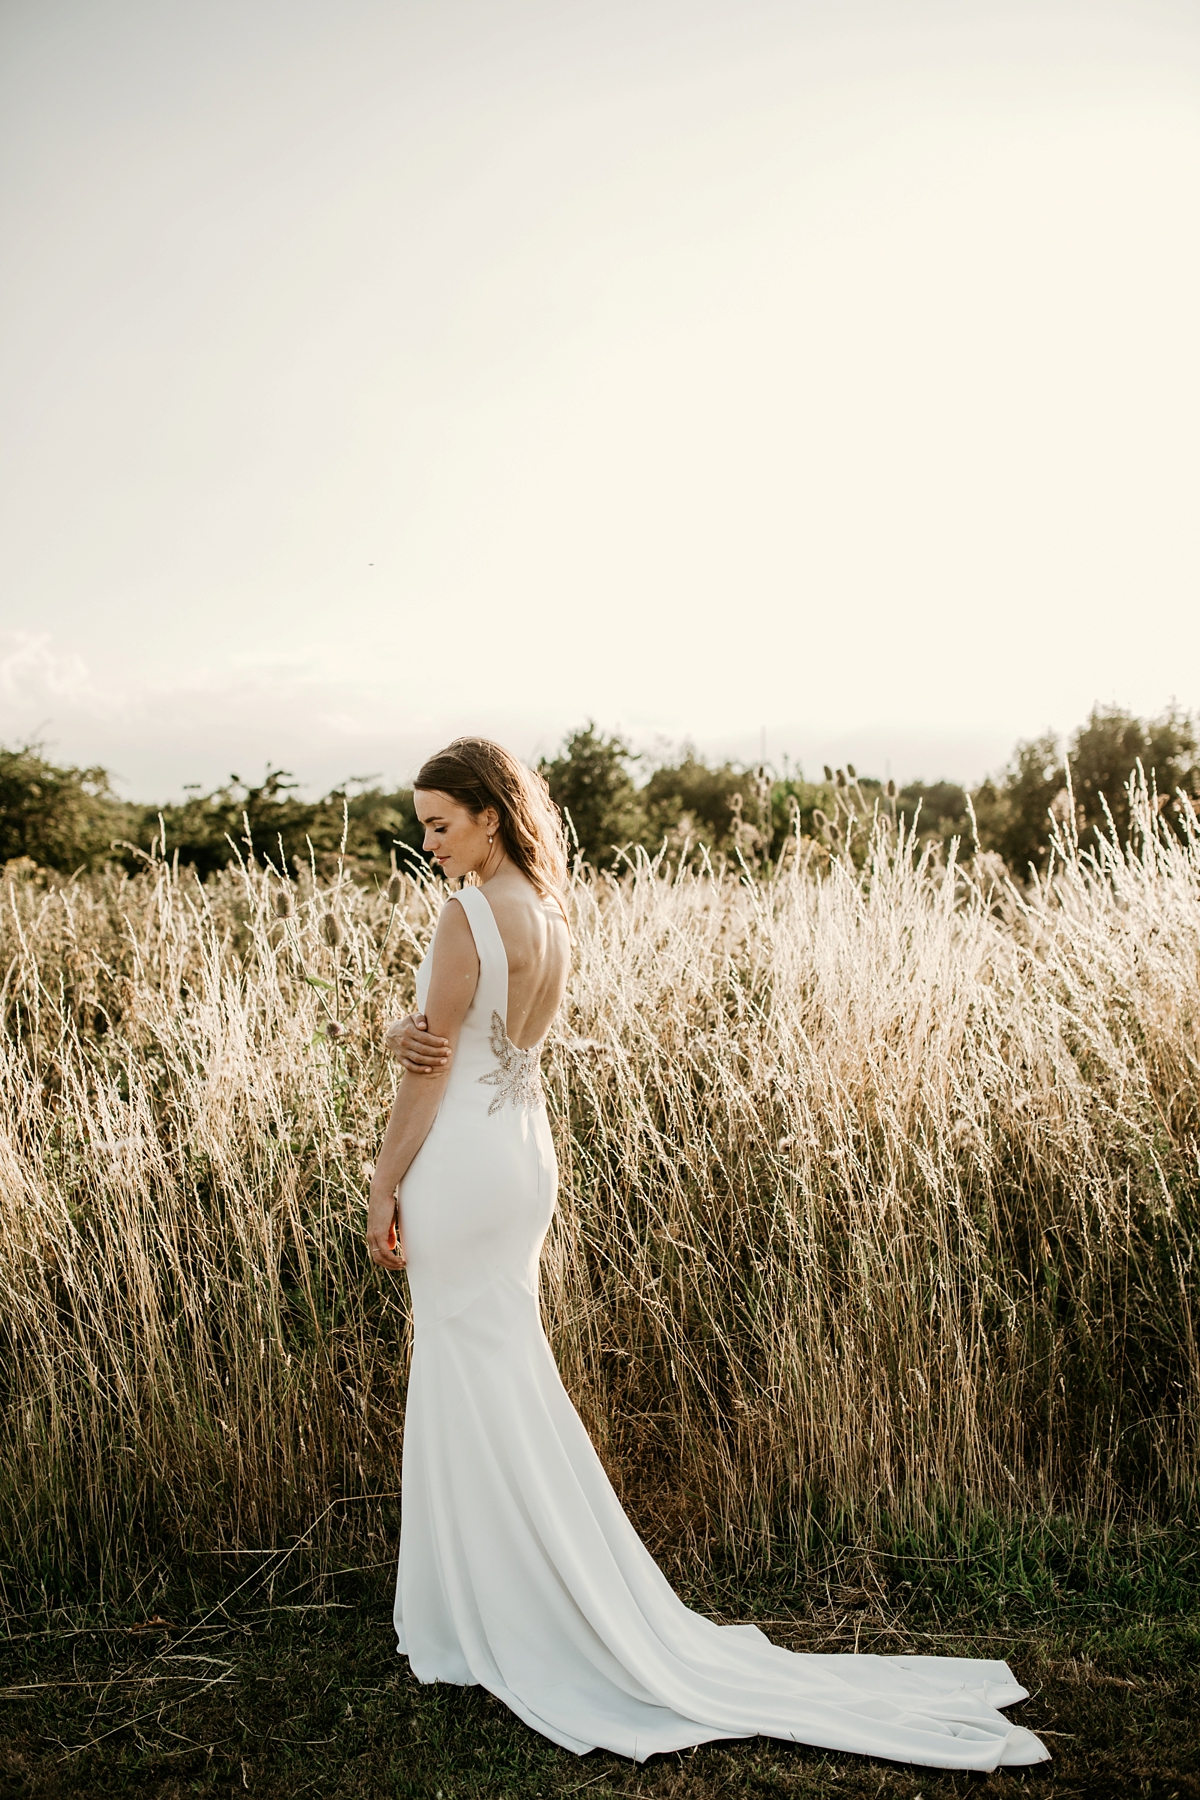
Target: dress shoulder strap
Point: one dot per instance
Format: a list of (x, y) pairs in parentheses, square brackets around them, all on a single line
[(492, 991)]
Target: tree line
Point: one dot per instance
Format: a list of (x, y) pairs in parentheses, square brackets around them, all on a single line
[(613, 800)]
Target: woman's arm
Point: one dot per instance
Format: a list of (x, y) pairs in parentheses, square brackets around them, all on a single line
[(452, 983)]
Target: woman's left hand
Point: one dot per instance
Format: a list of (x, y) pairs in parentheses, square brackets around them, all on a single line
[(384, 1241)]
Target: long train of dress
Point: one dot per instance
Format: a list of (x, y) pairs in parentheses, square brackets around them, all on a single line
[(519, 1570)]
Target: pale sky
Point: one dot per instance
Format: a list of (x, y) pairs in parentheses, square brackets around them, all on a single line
[(376, 370)]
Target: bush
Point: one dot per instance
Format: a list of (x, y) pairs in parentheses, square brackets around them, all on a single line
[(1015, 813), (1105, 752), (270, 823), (57, 817), (936, 811), (690, 800), (591, 783)]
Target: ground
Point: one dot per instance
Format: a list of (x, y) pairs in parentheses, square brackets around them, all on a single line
[(277, 1686)]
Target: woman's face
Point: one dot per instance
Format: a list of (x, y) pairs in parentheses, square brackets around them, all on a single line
[(457, 839)]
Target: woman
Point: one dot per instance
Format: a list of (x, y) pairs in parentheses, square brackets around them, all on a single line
[(518, 1569)]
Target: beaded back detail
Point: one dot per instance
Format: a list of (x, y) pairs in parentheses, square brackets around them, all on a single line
[(519, 1077)]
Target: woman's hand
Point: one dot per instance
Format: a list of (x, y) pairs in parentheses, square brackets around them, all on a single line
[(415, 1047), (384, 1241)]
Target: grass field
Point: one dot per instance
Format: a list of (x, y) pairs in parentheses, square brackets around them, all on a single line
[(289, 1684), (878, 1221)]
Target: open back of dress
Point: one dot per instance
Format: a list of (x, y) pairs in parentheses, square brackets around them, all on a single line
[(518, 1568)]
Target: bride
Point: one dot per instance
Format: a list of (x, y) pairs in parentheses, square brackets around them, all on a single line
[(518, 1569)]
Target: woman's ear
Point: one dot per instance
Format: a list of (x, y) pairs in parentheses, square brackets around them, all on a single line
[(489, 818)]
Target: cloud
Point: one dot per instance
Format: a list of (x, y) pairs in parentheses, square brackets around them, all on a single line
[(156, 736), (34, 677)]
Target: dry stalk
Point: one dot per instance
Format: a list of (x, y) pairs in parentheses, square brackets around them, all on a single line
[(879, 1197)]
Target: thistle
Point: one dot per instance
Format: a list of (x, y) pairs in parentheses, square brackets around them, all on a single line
[(331, 931), (282, 903)]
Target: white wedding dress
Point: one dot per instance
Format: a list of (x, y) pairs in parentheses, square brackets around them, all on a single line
[(518, 1569)]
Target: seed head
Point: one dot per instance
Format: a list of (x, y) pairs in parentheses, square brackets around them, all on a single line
[(395, 890), (331, 931), (820, 820), (891, 790), (851, 771), (334, 1031), (282, 903), (828, 773), (840, 777), (835, 830)]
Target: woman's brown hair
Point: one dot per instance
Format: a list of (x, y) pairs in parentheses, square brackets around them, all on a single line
[(479, 774)]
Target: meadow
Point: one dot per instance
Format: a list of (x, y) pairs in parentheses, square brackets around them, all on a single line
[(875, 1247)]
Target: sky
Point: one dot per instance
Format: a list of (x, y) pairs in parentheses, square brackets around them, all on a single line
[(820, 379)]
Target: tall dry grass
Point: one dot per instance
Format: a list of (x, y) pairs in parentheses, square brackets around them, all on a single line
[(879, 1198)]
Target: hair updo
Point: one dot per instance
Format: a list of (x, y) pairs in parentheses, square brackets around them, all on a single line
[(479, 774)]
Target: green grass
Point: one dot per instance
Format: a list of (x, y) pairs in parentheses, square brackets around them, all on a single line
[(249, 1677)]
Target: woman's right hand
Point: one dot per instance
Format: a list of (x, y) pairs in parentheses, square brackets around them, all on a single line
[(415, 1047)]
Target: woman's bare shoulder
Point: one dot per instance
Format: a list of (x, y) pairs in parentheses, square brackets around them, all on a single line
[(514, 896), (528, 920), (452, 935)]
